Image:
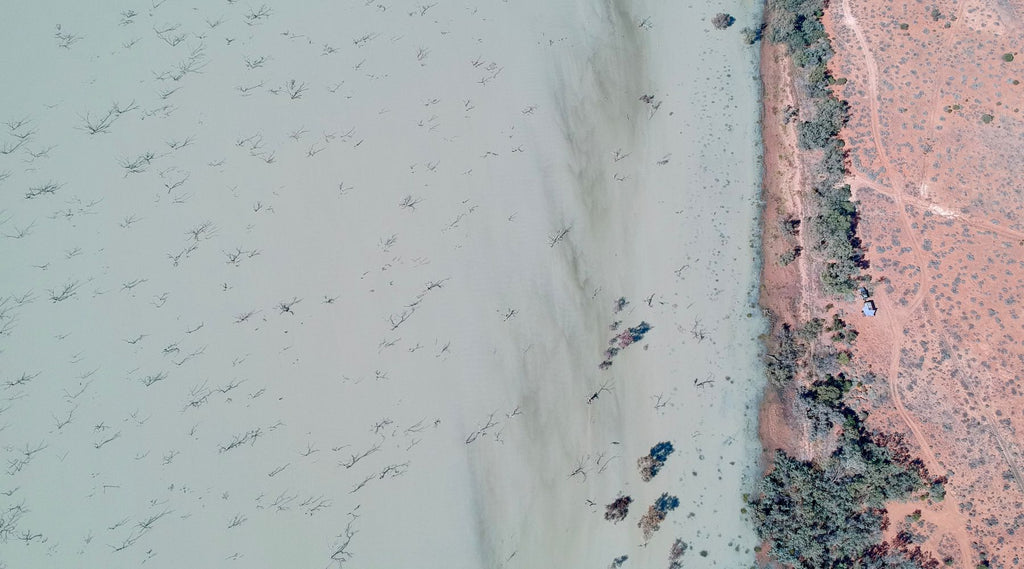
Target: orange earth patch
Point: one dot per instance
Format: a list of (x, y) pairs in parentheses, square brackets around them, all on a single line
[(936, 148)]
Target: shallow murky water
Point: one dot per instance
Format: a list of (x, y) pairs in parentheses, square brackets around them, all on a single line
[(331, 286)]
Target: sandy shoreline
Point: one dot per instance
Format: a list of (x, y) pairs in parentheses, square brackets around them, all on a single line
[(783, 287), (331, 286)]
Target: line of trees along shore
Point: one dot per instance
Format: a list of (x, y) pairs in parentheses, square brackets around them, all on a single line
[(829, 512)]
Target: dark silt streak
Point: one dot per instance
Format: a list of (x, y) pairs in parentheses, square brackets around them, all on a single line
[(596, 88)]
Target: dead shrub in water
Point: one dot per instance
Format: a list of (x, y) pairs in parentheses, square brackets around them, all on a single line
[(618, 510)]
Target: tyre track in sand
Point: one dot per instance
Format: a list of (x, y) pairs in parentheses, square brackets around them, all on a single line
[(861, 180), (896, 318), (894, 324)]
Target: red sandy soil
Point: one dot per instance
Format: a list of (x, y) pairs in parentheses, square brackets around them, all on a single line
[(783, 288), (941, 195)]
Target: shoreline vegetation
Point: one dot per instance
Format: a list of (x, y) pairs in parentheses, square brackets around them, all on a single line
[(822, 500), (797, 24)]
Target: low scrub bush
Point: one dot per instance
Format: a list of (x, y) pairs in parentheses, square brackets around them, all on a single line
[(829, 514)]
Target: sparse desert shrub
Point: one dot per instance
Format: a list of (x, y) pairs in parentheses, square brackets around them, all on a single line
[(827, 515), (904, 26), (722, 21), (986, 118), (1008, 57)]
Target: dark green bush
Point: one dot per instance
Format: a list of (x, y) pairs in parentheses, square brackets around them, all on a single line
[(835, 231), (829, 391), (797, 23), (829, 514), (814, 56), (810, 520), (810, 330), (825, 126)]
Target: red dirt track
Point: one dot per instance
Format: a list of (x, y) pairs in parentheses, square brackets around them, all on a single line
[(936, 143)]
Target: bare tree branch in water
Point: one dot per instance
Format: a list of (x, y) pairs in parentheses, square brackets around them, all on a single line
[(558, 236), (341, 554)]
